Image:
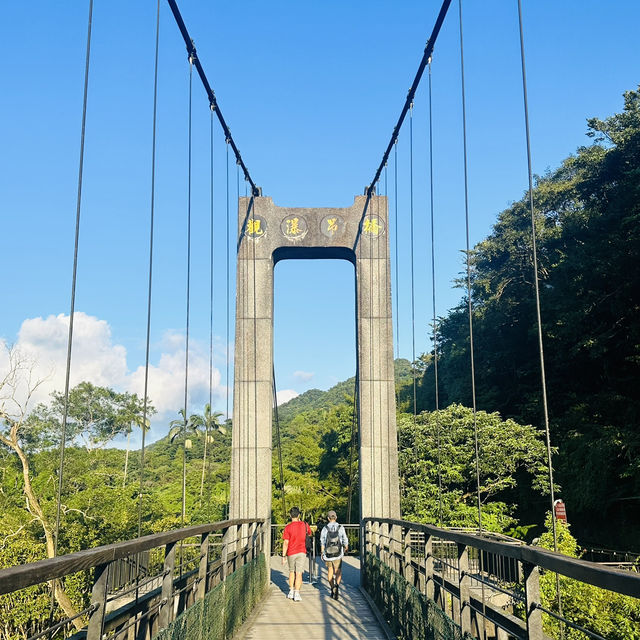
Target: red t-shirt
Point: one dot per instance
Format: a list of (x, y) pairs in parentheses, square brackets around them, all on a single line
[(295, 533)]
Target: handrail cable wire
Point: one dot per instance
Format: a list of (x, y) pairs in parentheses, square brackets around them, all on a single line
[(213, 102), (74, 278), (428, 51), (543, 378), (279, 444), (469, 297), (433, 290), (413, 295)]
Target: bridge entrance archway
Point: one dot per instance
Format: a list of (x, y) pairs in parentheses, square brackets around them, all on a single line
[(267, 234)]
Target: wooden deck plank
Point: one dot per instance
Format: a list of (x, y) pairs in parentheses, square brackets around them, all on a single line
[(318, 616)]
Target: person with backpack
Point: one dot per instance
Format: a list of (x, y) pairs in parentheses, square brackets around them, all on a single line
[(333, 545), (294, 550)]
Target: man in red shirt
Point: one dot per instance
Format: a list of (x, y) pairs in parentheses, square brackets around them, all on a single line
[(294, 550)]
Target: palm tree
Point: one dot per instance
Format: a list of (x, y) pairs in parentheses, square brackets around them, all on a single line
[(135, 417), (187, 427), (177, 427), (208, 420)]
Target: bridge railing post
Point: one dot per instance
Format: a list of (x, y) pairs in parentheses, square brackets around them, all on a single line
[(395, 547), (203, 568), (365, 541), (532, 600), (228, 542), (407, 569), (428, 566), (99, 601), (464, 583), (375, 538), (165, 614), (244, 545)]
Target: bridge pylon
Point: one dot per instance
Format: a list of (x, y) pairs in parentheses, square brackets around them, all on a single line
[(267, 234)]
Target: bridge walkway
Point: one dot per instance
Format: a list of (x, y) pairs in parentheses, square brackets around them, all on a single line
[(318, 616)]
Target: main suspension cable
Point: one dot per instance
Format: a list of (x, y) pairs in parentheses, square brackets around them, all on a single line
[(428, 51), (193, 57)]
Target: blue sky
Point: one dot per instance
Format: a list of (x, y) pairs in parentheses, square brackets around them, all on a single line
[(311, 93)]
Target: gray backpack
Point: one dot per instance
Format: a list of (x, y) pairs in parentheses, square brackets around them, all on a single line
[(333, 546)]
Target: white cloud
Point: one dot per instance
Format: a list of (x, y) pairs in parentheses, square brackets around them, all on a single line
[(284, 395), (96, 359), (166, 378), (304, 376)]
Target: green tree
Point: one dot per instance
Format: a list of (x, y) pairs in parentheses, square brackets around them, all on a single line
[(607, 613), (587, 222), (439, 450), (95, 415)]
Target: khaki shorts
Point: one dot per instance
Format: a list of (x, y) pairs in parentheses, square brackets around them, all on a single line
[(296, 562), (336, 564)]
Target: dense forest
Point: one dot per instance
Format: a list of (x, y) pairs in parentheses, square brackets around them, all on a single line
[(587, 215)]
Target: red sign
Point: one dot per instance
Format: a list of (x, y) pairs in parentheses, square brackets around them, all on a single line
[(560, 510)]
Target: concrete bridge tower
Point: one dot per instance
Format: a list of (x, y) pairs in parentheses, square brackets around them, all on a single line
[(266, 235)]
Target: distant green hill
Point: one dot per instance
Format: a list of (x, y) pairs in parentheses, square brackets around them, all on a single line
[(317, 399)]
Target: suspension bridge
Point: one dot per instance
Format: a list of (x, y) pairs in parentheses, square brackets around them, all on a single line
[(223, 579)]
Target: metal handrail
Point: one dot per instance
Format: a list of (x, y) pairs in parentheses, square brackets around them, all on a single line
[(604, 577), (27, 575)]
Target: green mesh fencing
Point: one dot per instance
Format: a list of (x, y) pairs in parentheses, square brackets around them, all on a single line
[(411, 615), (224, 608)]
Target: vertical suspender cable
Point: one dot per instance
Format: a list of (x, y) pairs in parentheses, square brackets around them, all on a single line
[(433, 289), (186, 348), (543, 379), (413, 303), (470, 304), (211, 291), (151, 230), (279, 443), (468, 269), (63, 439), (395, 203), (228, 305), (354, 419)]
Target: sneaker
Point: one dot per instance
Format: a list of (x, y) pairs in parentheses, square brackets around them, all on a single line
[(290, 595), (296, 596)]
